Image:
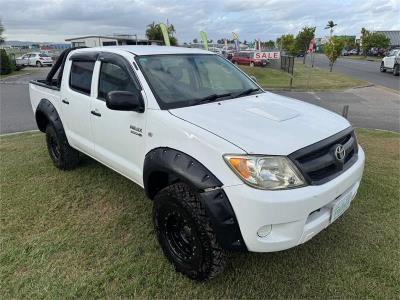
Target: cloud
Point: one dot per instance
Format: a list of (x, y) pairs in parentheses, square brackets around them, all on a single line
[(56, 20)]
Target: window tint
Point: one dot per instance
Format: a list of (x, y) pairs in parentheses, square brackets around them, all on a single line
[(81, 76), (114, 78), (43, 55)]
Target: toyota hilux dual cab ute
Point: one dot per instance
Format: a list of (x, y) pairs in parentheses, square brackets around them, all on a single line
[(227, 165), (391, 62)]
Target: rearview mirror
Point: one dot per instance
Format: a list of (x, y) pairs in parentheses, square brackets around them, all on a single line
[(253, 78), (125, 101)]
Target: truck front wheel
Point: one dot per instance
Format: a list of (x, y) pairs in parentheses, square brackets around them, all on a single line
[(61, 153), (185, 234), (382, 68)]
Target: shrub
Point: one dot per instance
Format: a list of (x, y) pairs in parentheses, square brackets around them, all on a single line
[(6, 66)]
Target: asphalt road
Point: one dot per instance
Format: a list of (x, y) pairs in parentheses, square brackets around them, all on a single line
[(370, 107), (15, 108), (361, 69)]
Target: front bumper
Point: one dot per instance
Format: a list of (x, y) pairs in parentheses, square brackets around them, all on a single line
[(293, 216)]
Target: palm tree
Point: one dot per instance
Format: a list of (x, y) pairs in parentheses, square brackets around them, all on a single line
[(330, 26), (1, 33)]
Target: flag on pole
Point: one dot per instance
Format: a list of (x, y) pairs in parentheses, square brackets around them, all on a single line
[(204, 40), (236, 41), (164, 31)]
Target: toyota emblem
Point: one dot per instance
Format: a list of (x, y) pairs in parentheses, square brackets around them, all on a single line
[(340, 152)]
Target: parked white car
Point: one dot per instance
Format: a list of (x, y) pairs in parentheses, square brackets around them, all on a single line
[(34, 59), (227, 165), (391, 62)]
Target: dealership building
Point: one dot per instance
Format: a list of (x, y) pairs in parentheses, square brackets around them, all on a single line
[(114, 40)]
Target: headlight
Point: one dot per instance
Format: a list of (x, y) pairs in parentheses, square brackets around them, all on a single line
[(266, 172)]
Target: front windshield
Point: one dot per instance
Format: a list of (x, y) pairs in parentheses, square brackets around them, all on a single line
[(187, 79)]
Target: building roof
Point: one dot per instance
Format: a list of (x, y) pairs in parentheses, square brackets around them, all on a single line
[(149, 50), (393, 35), (114, 37)]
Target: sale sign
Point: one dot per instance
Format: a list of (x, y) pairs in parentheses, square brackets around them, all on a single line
[(267, 55)]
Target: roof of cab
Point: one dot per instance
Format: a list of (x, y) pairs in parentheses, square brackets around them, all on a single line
[(149, 50)]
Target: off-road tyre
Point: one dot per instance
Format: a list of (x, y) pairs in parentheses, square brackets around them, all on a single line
[(382, 68), (61, 153), (396, 70), (185, 234)]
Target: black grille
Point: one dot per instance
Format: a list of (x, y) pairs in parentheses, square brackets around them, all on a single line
[(318, 162)]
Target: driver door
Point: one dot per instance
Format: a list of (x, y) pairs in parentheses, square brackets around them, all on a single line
[(119, 136)]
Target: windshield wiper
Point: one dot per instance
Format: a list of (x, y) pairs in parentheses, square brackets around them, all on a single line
[(246, 92), (211, 98)]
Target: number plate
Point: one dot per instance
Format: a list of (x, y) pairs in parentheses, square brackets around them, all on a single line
[(342, 204)]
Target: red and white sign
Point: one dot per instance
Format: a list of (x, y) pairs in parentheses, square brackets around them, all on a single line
[(267, 55), (311, 46)]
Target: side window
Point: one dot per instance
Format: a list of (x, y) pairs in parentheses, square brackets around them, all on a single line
[(114, 78), (81, 76)]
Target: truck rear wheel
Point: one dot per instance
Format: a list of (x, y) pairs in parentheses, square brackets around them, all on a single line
[(61, 153), (396, 70), (185, 234)]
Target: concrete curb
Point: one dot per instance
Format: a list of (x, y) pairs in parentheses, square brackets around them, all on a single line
[(369, 84), (19, 132)]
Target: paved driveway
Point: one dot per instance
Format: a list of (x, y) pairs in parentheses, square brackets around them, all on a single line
[(15, 109), (369, 107), (361, 69)]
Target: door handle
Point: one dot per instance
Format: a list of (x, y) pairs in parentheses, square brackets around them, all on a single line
[(96, 113), (65, 101)]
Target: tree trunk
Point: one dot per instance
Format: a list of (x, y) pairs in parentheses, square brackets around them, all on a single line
[(330, 67), (304, 58)]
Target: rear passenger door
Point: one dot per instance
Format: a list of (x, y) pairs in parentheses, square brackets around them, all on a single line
[(119, 136), (76, 102)]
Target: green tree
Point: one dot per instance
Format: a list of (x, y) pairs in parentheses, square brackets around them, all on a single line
[(269, 44), (6, 66), (287, 43), (379, 40), (333, 49), (1, 33), (330, 26), (303, 39), (349, 42), (153, 32), (365, 40)]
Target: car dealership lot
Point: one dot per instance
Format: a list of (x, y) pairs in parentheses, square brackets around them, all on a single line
[(370, 107)]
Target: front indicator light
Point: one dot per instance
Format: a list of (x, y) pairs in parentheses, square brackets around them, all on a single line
[(265, 172)]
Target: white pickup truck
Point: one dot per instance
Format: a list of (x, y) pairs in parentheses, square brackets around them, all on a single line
[(391, 62), (227, 165)]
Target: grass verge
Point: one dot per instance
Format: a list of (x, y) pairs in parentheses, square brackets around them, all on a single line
[(88, 233), (14, 73), (356, 57), (305, 78)]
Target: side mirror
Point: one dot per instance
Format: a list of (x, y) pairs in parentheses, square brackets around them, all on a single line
[(253, 78), (125, 101)]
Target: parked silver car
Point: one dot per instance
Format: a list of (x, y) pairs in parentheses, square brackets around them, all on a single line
[(34, 59)]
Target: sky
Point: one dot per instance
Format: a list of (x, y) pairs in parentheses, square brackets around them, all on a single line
[(56, 20)]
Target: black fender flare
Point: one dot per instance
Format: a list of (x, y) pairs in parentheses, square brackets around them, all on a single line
[(182, 167), (46, 113)]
